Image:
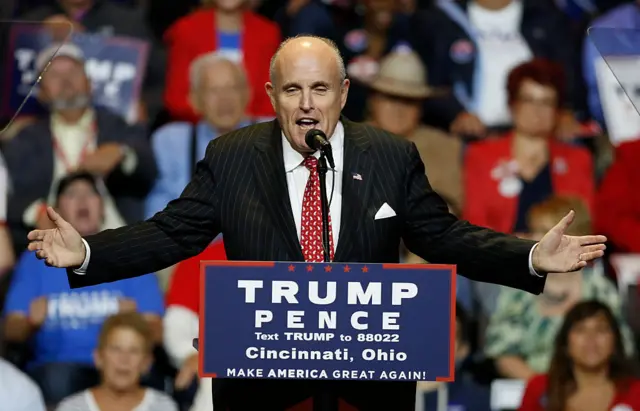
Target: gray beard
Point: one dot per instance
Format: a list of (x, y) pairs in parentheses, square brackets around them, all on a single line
[(79, 101)]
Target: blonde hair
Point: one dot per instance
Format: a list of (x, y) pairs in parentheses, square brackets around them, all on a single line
[(132, 321), (556, 207)]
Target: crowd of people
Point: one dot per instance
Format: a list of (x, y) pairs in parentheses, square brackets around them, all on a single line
[(508, 102)]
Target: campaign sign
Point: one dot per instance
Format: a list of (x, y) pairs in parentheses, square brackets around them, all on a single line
[(115, 65), (327, 321)]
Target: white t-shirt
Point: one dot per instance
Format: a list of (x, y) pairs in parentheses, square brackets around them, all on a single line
[(17, 391), (501, 48), (84, 401)]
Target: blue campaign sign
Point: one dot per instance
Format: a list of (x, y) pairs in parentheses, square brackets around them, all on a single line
[(115, 65), (327, 321)]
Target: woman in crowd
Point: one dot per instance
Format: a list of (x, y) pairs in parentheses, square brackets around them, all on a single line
[(589, 370), (523, 326), (504, 177), (124, 354), (228, 27)]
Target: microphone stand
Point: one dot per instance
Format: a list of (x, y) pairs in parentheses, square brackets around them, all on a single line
[(325, 400)]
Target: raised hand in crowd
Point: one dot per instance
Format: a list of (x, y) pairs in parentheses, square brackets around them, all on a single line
[(38, 311), (468, 124), (102, 161), (188, 372)]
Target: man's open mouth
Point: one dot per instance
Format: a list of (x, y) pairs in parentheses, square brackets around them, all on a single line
[(83, 213), (307, 123)]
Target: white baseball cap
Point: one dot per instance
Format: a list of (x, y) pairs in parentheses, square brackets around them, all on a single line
[(58, 50)]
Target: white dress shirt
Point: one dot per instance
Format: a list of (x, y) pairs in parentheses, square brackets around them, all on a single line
[(297, 176)]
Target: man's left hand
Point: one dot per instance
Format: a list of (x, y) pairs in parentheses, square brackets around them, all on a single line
[(560, 253), (102, 161)]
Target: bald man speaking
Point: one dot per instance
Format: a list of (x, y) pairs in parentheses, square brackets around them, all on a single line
[(254, 185)]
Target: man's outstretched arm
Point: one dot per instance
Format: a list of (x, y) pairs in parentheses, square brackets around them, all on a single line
[(480, 254), (183, 229)]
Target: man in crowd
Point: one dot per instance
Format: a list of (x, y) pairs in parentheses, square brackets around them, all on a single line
[(251, 188), (75, 136), (219, 94)]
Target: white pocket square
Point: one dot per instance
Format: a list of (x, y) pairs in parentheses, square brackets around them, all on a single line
[(385, 212)]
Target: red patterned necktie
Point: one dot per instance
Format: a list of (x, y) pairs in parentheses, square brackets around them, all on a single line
[(311, 236)]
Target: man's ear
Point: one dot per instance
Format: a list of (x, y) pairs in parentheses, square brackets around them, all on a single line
[(344, 92), (268, 87)]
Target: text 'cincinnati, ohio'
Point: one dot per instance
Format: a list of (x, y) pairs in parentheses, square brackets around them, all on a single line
[(341, 354)]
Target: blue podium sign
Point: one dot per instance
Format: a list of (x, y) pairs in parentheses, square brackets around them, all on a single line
[(327, 321)]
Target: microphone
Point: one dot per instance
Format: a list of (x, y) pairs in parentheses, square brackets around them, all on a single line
[(317, 140)]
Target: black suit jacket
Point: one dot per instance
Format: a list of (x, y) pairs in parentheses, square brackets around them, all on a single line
[(240, 189)]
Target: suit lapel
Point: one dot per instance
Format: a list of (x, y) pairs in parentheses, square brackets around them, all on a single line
[(272, 183), (356, 186)]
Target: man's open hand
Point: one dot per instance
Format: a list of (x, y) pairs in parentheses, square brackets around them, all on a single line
[(60, 246), (560, 253)]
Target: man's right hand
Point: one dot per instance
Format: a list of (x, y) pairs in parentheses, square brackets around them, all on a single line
[(61, 246)]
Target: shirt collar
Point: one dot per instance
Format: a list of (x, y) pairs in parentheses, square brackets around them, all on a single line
[(293, 159)]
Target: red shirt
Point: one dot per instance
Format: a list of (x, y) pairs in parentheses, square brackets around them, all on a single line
[(184, 287), (535, 396)]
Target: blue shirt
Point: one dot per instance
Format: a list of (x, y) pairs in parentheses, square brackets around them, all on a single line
[(74, 318), (230, 45), (172, 149)]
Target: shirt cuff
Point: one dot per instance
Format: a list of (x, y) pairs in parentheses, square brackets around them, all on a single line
[(87, 256), (129, 161), (532, 270)]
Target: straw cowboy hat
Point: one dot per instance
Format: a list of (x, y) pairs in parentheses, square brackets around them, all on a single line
[(402, 74)]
